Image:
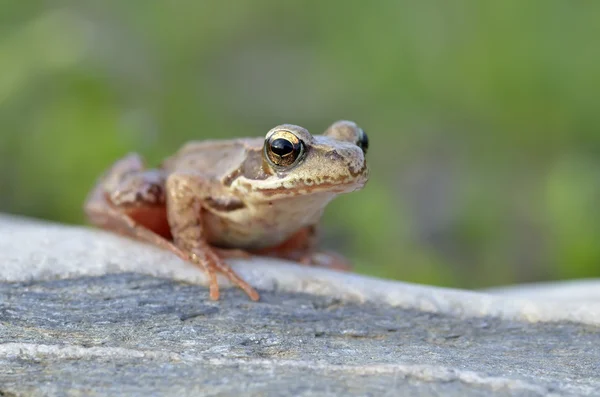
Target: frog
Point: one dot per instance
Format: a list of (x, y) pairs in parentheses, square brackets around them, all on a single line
[(218, 199)]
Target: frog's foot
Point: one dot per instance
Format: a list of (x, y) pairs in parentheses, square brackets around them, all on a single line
[(229, 253), (328, 260), (209, 260), (301, 248)]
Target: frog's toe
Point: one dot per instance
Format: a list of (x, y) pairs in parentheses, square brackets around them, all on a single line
[(216, 263)]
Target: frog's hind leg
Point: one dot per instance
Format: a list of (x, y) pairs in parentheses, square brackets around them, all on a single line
[(129, 200), (132, 201)]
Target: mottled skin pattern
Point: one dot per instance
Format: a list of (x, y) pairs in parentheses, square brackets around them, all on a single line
[(232, 198)]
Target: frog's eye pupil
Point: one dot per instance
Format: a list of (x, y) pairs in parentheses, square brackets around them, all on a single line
[(282, 147), (363, 141)]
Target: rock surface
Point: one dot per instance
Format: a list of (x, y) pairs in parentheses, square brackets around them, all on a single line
[(85, 312)]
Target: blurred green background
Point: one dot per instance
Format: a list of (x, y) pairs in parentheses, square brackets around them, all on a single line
[(483, 117)]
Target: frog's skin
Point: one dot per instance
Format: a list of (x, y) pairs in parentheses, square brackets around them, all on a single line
[(228, 198)]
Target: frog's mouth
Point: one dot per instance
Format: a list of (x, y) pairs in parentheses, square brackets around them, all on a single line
[(308, 186)]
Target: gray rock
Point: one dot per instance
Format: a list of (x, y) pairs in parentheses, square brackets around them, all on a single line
[(85, 312)]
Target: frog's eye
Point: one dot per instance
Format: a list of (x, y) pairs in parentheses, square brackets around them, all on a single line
[(283, 148), (363, 141)]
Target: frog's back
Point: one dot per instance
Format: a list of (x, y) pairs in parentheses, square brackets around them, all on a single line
[(211, 158)]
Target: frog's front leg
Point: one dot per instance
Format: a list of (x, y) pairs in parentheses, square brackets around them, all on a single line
[(302, 247), (184, 195)]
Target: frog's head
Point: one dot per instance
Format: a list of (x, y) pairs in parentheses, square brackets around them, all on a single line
[(296, 163)]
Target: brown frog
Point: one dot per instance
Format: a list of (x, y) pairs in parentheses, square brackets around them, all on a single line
[(218, 199)]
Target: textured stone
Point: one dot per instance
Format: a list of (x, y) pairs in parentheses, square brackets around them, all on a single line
[(92, 313)]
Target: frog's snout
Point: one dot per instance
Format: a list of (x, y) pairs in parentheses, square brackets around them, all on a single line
[(354, 158)]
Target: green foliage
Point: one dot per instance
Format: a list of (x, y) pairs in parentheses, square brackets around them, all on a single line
[(483, 116)]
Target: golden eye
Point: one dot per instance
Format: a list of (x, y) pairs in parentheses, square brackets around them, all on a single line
[(283, 148)]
